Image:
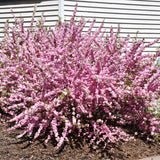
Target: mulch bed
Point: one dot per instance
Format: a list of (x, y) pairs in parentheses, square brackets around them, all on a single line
[(26, 149)]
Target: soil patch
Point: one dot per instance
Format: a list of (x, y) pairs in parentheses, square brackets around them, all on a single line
[(26, 149)]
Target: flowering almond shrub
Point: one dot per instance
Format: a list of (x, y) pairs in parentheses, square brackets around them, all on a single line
[(62, 81)]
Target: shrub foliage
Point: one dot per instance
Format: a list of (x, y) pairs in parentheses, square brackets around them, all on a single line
[(62, 81)]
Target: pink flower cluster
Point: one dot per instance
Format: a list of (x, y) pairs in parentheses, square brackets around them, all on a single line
[(62, 81)]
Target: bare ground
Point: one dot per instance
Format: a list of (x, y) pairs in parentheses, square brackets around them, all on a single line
[(12, 148)]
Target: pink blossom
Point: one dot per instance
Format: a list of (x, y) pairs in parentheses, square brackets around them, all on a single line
[(56, 81)]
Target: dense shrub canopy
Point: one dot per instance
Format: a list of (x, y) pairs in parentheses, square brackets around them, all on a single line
[(63, 81)]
